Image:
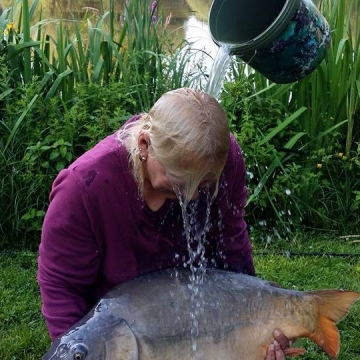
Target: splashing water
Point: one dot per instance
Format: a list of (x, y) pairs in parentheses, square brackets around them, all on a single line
[(218, 71), (195, 233)]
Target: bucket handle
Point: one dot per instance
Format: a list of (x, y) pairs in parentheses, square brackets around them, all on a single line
[(250, 60)]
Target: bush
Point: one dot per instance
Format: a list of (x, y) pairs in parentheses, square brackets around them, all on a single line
[(291, 184), (59, 96), (47, 140)]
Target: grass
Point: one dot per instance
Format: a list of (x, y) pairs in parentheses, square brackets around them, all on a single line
[(23, 329), (310, 263), (24, 335)]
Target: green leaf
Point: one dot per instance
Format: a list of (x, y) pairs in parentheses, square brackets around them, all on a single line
[(54, 155), (282, 125), (19, 121), (57, 83)]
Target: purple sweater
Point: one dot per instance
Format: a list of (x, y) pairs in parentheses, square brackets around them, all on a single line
[(98, 232)]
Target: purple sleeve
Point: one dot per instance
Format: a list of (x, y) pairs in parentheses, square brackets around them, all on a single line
[(237, 247), (68, 256)]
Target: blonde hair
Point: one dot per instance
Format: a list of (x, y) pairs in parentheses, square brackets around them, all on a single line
[(189, 136)]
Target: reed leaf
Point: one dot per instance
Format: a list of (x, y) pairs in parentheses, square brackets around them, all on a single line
[(275, 163), (282, 125), (5, 93), (57, 83), (18, 123), (27, 38), (46, 78)]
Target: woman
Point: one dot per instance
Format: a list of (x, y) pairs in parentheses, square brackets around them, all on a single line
[(168, 182)]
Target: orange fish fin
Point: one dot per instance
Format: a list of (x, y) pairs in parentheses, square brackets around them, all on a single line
[(333, 306), (327, 336), (292, 352)]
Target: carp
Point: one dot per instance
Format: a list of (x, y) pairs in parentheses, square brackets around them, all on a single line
[(163, 315)]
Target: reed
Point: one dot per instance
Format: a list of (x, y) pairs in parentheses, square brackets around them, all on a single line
[(331, 93), (133, 47), (326, 150)]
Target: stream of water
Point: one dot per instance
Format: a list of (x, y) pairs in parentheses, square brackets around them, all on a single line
[(218, 71), (195, 234)]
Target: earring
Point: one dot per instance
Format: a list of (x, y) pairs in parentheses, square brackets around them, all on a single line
[(141, 156)]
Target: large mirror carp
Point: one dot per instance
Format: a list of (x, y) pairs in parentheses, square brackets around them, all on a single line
[(163, 316)]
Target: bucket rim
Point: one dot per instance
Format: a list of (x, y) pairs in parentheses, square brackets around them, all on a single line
[(276, 28)]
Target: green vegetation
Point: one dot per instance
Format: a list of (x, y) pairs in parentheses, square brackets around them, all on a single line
[(72, 91), (301, 140), (24, 335), (62, 93)]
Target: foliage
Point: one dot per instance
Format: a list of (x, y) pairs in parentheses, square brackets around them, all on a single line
[(59, 96), (96, 50), (36, 147), (267, 143), (315, 183), (290, 184)]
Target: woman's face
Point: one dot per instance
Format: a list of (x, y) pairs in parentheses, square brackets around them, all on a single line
[(159, 180), (162, 183), (156, 179)]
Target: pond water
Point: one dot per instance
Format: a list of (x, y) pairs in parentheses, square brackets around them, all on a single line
[(189, 18)]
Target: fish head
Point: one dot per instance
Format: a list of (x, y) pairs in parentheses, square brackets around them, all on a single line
[(100, 335), (76, 350), (76, 347), (112, 341)]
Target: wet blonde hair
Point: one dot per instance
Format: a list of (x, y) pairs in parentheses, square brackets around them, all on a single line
[(189, 136)]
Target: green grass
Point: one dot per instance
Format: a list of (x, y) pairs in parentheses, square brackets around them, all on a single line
[(24, 335), (23, 330), (338, 267)]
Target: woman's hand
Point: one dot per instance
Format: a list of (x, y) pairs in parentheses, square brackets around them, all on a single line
[(276, 349)]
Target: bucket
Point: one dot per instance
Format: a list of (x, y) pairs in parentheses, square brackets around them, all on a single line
[(285, 40)]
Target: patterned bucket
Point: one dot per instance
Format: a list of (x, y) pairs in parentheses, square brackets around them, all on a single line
[(285, 40)]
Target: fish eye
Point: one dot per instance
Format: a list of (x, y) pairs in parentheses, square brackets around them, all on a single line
[(79, 351)]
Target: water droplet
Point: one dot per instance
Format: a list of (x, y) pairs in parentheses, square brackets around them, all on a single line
[(250, 175)]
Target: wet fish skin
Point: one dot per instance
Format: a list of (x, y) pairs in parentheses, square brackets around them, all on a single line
[(149, 318)]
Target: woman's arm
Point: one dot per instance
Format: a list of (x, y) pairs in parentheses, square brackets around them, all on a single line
[(68, 256)]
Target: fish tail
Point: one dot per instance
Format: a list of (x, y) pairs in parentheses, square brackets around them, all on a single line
[(333, 306)]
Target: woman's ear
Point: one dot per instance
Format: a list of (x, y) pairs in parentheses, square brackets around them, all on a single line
[(143, 144)]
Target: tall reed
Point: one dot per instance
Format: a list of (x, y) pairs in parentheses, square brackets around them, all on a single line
[(133, 47), (331, 93), (326, 150), (60, 92)]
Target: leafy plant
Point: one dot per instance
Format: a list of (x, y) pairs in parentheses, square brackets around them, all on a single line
[(60, 95), (323, 189), (263, 129)]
